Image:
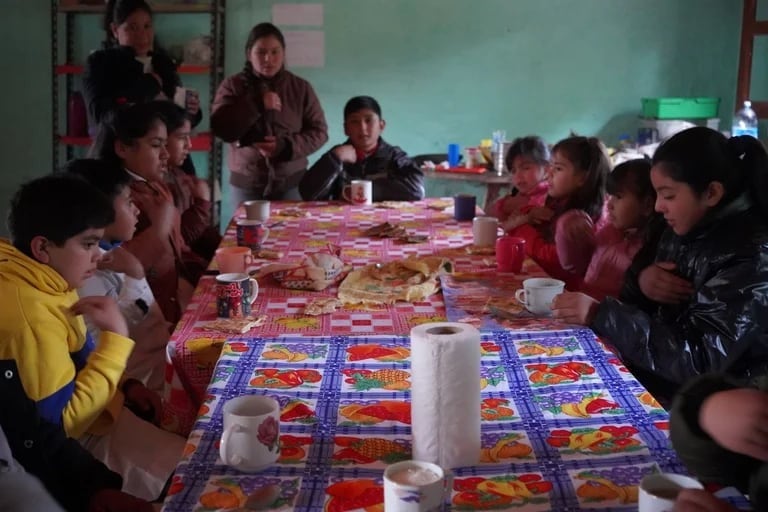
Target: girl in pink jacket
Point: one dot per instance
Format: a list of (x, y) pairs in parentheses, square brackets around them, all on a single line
[(560, 236), (632, 223), (527, 161)]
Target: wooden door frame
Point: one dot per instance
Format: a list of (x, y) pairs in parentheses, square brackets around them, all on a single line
[(750, 28)]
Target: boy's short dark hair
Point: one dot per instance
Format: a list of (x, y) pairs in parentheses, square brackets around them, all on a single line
[(532, 147), (359, 103), (57, 207), (107, 178)]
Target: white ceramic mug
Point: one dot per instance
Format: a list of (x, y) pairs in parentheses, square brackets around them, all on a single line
[(257, 210), (484, 231), (251, 437), (658, 491), (415, 486), (537, 294), (359, 192)]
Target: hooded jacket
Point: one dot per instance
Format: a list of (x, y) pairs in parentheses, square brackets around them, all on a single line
[(722, 328), (395, 177), (72, 382)]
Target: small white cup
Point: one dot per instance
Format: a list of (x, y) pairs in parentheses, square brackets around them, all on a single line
[(251, 437), (257, 210), (658, 491), (537, 294), (359, 192), (484, 231), (415, 486)]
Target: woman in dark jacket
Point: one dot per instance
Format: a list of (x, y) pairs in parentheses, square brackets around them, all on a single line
[(713, 193), (130, 69), (271, 118)]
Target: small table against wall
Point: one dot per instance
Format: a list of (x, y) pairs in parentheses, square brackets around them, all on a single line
[(494, 183)]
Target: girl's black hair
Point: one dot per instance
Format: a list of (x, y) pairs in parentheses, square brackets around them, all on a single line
[(172, 114), (125, 125), (633, 176), (531, 146), (587, 154), (257, 32), (117, 11), (699, 156)]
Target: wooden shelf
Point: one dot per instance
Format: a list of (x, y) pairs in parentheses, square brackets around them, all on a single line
[(184, 69), (200, 142), (157, 8)]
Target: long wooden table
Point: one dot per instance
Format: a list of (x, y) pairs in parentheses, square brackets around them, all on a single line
[(494, 183)]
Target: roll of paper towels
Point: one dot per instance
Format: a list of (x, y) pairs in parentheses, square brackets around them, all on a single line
[(445, 394)]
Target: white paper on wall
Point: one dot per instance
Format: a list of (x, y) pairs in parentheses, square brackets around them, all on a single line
[(310, 15), (304, 48)]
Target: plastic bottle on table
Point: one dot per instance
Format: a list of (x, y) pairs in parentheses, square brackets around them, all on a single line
[(745, 121)]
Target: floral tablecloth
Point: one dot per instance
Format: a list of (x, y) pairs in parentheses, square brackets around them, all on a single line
[(197, 350), (564, 425)]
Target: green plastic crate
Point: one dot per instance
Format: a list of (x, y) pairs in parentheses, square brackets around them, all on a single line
[(680, 108)]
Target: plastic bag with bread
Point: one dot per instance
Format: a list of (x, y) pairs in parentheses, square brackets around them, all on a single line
[(316, 271)]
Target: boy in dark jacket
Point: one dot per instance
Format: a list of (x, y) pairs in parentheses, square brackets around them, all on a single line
[(720, 431), (364, 155)]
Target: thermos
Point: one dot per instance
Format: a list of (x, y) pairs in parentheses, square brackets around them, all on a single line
[(77, 117)]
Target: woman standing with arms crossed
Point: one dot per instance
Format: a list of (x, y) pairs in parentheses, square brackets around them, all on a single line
[(271, 118)]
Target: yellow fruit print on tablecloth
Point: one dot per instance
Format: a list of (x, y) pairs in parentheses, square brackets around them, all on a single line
[(304, 322)]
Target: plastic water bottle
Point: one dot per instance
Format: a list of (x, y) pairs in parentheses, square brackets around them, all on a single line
[(745, 121)]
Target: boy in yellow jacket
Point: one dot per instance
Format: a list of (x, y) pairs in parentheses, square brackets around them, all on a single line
[(56, 223)]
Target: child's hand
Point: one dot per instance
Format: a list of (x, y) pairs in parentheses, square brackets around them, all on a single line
[(513, 222), (737, 420), (103, 312), (540, 214), (574, 308), (697, 500), (346, 153), (144, 403), (112, 500), (658, 283), (120, 260), (159, 209)]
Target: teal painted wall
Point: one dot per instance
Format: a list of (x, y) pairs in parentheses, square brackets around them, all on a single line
[(453, 71), (25, 147), (443, 70)]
